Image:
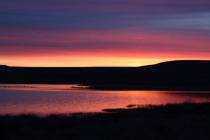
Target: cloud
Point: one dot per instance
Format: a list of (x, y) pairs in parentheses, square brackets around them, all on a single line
[(118, 41), (198, 22), (100, 14)]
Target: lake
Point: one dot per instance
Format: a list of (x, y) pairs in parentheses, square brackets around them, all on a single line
[(44, 99)]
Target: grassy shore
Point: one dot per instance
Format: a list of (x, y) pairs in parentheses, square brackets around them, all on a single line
[(170, 122)]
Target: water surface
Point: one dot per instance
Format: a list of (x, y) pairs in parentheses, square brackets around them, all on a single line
[(51, 99)]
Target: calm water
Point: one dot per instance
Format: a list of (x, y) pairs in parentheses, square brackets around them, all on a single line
[(48, 99)]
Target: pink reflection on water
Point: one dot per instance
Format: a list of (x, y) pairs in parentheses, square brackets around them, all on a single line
[(40, 87), (56, 99)]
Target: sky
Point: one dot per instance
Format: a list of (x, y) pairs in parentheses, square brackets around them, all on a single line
[(74, 33)]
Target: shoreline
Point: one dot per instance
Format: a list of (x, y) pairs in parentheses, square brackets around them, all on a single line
[(129, 108)]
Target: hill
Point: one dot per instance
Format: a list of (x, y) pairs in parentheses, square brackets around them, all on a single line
[(179, 75)]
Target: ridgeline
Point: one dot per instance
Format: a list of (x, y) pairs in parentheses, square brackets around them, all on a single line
[(171, 75)]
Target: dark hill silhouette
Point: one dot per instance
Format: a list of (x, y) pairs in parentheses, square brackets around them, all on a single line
[(3, 66), (179, 75)]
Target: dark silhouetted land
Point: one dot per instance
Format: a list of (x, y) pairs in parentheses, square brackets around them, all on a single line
[(172, 75), (171, 122)]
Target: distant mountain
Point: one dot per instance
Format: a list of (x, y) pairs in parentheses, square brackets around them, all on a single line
[(179, 75)]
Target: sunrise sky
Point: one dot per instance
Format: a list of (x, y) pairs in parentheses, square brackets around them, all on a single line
[(103, 32)]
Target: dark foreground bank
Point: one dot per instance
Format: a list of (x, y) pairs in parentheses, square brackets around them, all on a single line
[(171, 122)]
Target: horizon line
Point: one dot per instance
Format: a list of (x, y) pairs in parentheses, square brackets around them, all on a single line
[(176, 60)]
